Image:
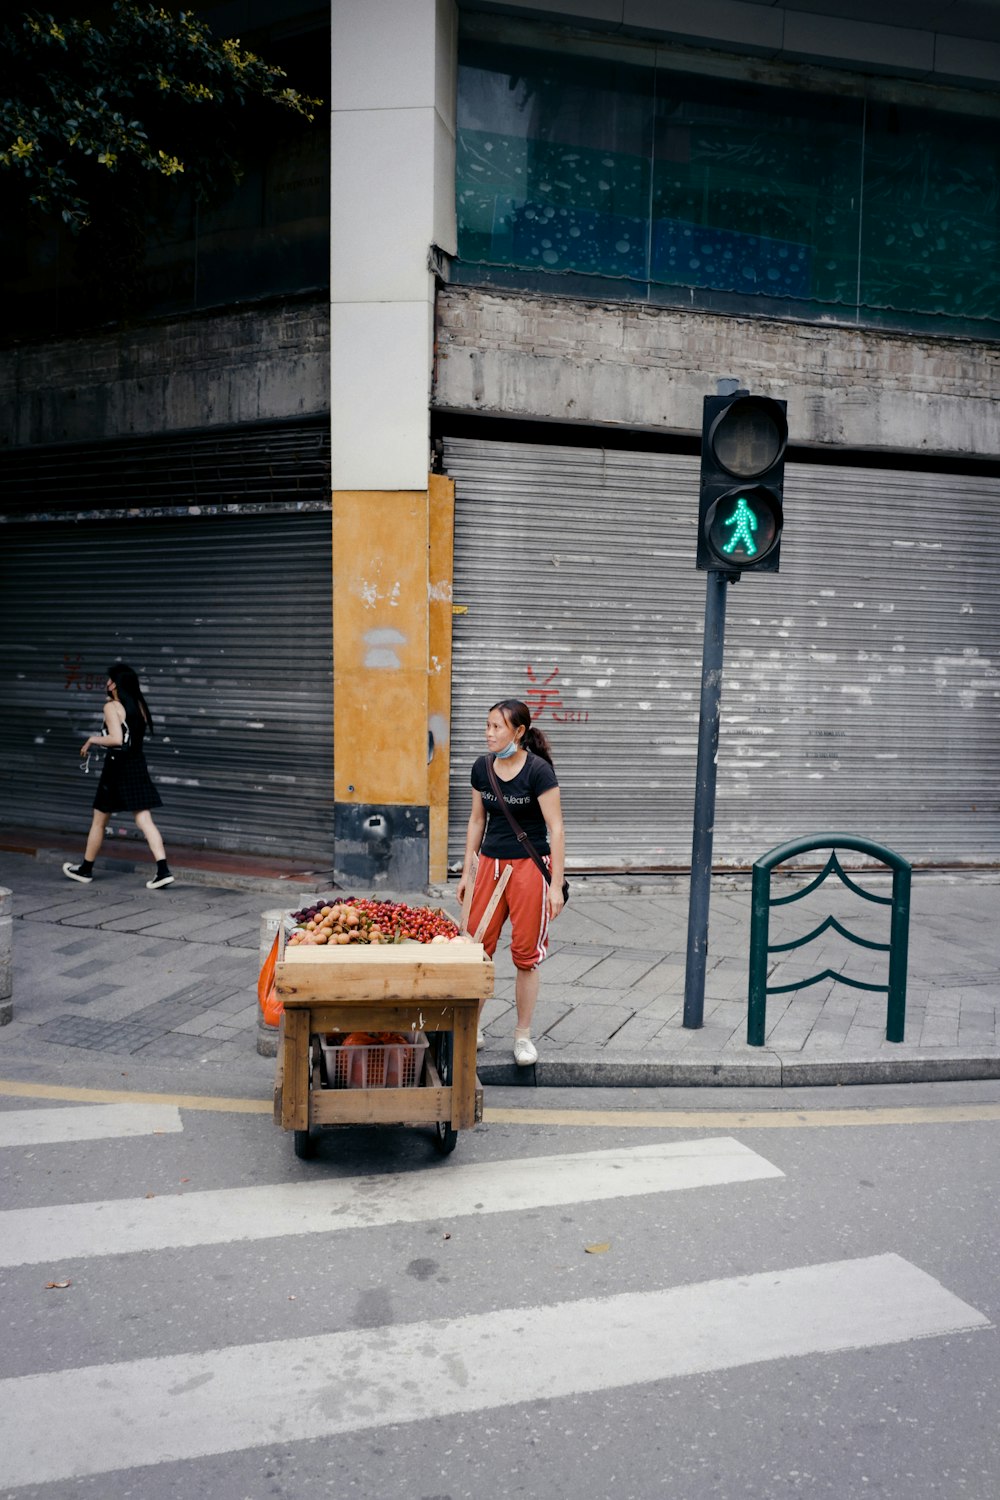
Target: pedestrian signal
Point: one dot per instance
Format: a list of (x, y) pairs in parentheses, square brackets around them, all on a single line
[(743, 445)]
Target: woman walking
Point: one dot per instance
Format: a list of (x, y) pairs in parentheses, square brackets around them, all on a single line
[(522, 763), (125, 784)]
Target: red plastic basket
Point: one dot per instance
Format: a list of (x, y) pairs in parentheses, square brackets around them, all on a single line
[(385, 1065)]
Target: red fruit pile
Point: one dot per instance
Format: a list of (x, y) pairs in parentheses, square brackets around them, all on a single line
[(398, 921), (369, 921)]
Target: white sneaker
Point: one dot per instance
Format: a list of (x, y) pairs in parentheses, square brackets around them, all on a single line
[(480, 1040), (525, 1051)]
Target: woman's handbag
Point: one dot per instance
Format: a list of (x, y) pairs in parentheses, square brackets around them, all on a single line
[(519, 832)]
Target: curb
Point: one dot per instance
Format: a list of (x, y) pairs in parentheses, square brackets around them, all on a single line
[(770, 1071)]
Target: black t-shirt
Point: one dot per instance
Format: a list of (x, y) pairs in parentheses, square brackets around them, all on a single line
[(521, 794)]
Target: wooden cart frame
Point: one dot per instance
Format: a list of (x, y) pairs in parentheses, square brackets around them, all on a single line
[(408, 988)]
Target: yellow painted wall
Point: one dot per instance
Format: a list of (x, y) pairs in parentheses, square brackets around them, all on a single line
[(441, 497), (392, 574)]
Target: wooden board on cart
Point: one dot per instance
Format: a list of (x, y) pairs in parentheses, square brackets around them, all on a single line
[(384, 971), (386, 987)]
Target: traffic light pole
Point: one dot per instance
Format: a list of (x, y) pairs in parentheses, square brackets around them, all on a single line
[(743, 442), (713, 650)]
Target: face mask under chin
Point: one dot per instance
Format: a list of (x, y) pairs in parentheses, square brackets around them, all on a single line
[(507, 751)]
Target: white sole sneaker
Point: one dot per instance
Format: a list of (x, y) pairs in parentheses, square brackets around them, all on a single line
[(480, 1040), (525, 1051), (154, 884), (72, 872)]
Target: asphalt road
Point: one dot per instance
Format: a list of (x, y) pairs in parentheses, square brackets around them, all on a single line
[(690, 1294)]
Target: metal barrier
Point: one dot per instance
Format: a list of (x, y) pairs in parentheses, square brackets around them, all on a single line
[(896, 947)]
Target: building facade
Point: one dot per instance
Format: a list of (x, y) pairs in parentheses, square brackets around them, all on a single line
[(553, 229), (650, 197), (165, 494)]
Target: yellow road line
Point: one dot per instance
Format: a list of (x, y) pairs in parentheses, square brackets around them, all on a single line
[(128, 1096), (638, 1119), (752, 1119)]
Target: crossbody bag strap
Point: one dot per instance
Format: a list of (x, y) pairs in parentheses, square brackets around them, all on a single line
[(519, 832)]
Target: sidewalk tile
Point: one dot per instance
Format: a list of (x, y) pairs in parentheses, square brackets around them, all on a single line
[(636, 1034), (245, 1017), (52, 907), (618, 973), (81, 971), (92, 944), (666, 978), (224, 1033), (568, 964), (76, 996), (108, 913), (136, 921), (663, 1006), (230, 1000), (589, 1024), (195, 1026), (711, 1038)]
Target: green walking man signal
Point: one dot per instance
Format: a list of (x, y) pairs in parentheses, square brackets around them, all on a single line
[(743, 444), (745, 523)]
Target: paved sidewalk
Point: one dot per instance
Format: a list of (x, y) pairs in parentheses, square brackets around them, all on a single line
[(116, 975)]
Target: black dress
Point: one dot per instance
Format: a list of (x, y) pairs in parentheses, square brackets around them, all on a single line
[(125, 784)]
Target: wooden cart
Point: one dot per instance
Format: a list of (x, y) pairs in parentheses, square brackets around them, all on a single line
[(412, 988)]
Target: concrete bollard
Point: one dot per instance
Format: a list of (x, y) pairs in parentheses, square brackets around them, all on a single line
[(6, 956), (267, 1036)]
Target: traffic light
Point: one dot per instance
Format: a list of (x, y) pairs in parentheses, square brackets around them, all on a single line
[(743, 442)]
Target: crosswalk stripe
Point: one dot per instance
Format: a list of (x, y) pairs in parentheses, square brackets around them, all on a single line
[(92, 1122), (64, 1232), (120, 1416)]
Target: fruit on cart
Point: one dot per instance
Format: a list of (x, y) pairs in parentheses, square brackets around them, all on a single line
[(399, 921), (373, 1038), (370, 921)]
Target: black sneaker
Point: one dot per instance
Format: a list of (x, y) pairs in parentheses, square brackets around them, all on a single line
[(74, 872), (165, 879)]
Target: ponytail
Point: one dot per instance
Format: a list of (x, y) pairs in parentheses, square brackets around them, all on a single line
[(535, 741)]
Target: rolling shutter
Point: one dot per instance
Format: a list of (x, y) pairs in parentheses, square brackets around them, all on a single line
[(227, 619), (861, 690)]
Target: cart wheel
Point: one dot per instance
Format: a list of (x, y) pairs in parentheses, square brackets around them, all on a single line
[(305, 1145), (445, 1138)]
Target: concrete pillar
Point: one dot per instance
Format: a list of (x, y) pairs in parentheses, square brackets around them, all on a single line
[(393, 196), (6, 956), (393, 193)]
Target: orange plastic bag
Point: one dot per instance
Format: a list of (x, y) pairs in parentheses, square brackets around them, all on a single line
[(267, 998)]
